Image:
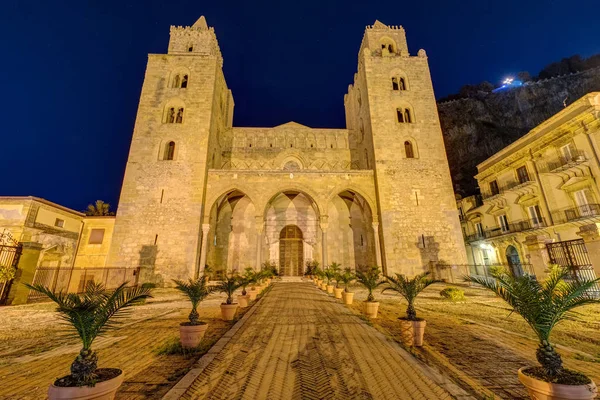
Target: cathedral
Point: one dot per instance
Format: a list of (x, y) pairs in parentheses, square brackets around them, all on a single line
[(200, 192)]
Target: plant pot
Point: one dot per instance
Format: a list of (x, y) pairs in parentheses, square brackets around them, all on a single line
[(228, 311), (243, 300), (541, 390), (329, 289), (419, 331), (371, 308), (338, 292), (407, 335), (323, 286), (319, 282), (100, 391), (347, 297), (252, 293), (191, 335)]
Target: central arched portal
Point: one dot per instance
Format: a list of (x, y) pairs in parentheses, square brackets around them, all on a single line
[(291, 251)]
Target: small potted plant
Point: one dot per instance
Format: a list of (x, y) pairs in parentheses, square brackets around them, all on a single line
[(412, 328), (252, 277), (91, 314), (543, 305), (270, 269), (247, 278), (192, 331), (317, 276), (228, 285), (329, 275), (370, 278), (346, 278), (311, 265)]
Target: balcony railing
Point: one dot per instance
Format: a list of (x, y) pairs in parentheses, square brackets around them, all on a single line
[(513, 227), (507, 186), (561, 163), (576, 213)]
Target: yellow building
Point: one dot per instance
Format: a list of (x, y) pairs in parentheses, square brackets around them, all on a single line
[(540, 197)]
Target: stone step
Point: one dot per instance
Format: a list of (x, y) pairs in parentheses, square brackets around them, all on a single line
[(286, 279)]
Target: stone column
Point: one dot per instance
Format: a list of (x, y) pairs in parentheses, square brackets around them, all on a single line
[(205, 230), (377, 245), (324, 225), (538, 255), (260, 224), (28, 263), (591, 236)]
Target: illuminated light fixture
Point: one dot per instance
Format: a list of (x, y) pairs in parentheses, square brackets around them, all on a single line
[(508, 80)]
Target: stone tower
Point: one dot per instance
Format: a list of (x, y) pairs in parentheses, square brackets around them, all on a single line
[(392, 105), (184, 105)]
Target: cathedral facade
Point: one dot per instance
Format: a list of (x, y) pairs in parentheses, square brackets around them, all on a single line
[(198, 191)]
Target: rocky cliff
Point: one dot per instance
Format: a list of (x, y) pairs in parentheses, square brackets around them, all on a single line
[(477, 127)]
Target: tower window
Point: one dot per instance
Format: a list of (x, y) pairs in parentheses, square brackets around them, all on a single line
[(191, 48), (395, 85), (179, 117), (169, 151), (171, 115), (404, 115), (270, 144), (402, 83), (390, 48), (184, 81), (408, 150), (250, 145), (176, 81), (331, 146)]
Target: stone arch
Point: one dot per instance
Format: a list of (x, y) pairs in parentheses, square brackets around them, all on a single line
[(352, 188), (309, 193), (162, 149), (405, 105), (291, 155), (176, 78), (173, 108), (413, 145), (401, 79), (211, 201), (387, 45)]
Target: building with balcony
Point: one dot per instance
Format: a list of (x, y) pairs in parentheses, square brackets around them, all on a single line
[(540, 196)]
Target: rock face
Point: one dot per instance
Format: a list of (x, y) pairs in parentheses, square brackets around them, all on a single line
[(476, 128)]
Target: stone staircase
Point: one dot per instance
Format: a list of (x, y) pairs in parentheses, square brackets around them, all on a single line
[(289, 279)]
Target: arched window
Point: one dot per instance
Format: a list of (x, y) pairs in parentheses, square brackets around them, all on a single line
[(184, 81), (179, 117), (400, 115), (176, 81), (169, 151), (408, 150), (402, 84), (170, 115), (395, 85), (407, 116)]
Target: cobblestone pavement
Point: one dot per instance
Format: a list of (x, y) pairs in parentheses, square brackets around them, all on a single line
[(302, 344)]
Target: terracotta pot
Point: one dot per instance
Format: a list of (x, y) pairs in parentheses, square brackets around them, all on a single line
[(407, 335), (371, 308), (324, 286), (252, 293), (100, 391), (191, 335), (419, 331), (329, 289), (348, 296), (228, 311), (243, 300), (338, 292), (540, 390), (319, 282)]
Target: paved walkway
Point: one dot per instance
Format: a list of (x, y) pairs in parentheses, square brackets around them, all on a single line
[(302, 344)]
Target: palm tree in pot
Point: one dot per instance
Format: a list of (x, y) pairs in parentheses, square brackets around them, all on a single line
[(246, 279), (310, 268), (229, 285), (543, 305), (196, 290), (345, 278), (370, 278), (412, 328), (91, 314), (330, 274), (319, 274)]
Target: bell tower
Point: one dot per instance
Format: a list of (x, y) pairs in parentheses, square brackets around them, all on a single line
[(184, 105), (392, 104)]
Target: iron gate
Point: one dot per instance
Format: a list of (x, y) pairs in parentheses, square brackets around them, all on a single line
[(10, 252), (572, 254)]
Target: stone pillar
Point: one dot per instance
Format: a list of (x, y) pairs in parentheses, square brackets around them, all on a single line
[(25, 272), (538, 255), (591, 236), (377, 245), (203, 249), (324, 225), (260, 224)]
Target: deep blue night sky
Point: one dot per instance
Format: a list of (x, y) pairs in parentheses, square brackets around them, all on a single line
[(72, 71)]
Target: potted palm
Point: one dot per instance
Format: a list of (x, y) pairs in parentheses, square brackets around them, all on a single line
[(412, 328), (192, 331), (329, 275), (370, 278), (346, 278), (246, 279), (318, 272), (310, 269), (228, 285), (91, 314), (270, 269), (543, 305)]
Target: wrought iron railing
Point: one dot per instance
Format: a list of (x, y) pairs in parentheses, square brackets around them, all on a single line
[(576, 213), (559, 163), (507, 186)]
